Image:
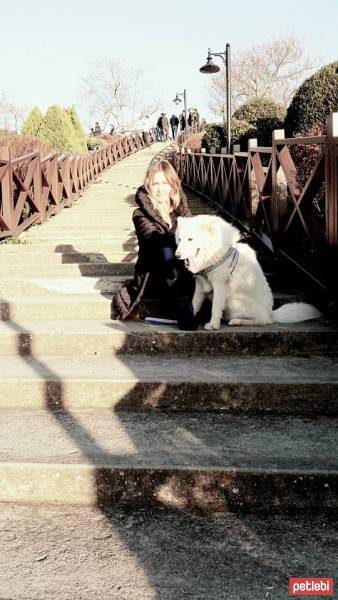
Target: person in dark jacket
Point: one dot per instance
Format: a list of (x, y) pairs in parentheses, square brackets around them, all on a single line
[(160, 202), (174, 125)]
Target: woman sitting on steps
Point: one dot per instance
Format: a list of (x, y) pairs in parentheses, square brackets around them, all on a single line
[(158, 273)]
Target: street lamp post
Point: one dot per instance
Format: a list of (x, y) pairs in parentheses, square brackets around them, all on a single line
[(210, 67), (177, 100)]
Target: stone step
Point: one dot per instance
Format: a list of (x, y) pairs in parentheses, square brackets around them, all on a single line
[(12, 287), (106, 338), (80, 247), (58, 302), (94, 269), (96, 553), (220, 462), (138, 382), (30, 257)]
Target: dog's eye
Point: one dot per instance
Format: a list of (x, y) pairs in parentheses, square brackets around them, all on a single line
[(189, 239)]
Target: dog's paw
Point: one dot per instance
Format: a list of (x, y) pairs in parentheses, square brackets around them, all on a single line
[(235, 322), (212, 325)]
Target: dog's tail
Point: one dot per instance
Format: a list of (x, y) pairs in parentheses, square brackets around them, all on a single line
[(295, 312)]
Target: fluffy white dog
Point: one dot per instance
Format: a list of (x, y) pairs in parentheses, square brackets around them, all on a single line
[(228, 272)]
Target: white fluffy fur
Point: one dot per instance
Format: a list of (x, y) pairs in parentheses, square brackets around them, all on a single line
[(244, 296)]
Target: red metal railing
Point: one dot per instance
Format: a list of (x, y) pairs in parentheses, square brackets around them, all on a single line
[(32, 187), (263, 191)]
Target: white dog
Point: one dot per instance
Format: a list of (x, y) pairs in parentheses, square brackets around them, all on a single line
[(229, 272)]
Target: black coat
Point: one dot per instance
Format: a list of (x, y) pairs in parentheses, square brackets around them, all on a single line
[(174, 121), (153, 234)]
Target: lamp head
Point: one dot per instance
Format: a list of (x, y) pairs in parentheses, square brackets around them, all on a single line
[(209, 66), (177, 100)]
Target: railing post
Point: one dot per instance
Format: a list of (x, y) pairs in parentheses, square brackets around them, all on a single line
[(37, 186), (236, 180), (253, 193), (6, 183), (65, 171), (52, 170), (331, 176), (277, 134)]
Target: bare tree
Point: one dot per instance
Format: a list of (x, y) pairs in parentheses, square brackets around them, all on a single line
[(272, 70), (11, 116), (113, 92)]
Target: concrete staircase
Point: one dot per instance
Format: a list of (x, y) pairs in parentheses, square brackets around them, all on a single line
[(100, 412)]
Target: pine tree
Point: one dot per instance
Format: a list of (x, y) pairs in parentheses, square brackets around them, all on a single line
[(33, 123), (57, 129)]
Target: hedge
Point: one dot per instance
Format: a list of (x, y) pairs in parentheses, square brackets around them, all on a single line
[(314, 100)]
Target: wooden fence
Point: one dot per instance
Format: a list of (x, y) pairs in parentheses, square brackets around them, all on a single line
[(265, 191), (32, 187)]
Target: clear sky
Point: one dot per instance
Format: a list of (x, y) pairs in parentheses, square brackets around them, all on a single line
[(46, 47)]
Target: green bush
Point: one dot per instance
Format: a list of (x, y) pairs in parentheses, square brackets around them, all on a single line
[(257, 118), (314, 100), (242, 131), (216, 134), (259, 108), (263, 115), (33, 123), (94, 143)]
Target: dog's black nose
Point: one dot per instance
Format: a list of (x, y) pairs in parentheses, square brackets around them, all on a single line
[(178, 255)]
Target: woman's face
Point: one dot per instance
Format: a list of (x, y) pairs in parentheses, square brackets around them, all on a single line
[(160, 188)]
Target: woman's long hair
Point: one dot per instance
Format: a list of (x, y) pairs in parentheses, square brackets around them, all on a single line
[(175, 188)]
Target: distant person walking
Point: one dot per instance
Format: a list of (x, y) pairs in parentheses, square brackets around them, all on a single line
[(174, 125), (145, 130), (97, 129), (190, 117), (182, 121), (159, 126), (165, 126)]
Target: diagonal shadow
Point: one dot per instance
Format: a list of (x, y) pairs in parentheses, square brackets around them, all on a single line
[(155, 488)]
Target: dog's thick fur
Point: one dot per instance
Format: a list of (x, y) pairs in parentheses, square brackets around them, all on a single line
[(243, 295)]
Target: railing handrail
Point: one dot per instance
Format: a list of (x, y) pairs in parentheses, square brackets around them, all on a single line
[(25, 157)]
